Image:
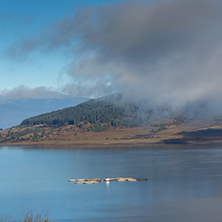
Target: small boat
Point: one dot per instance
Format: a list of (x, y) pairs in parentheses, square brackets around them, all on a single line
[(107, 180)]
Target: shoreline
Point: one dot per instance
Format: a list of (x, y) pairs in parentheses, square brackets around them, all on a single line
[(83, 145)]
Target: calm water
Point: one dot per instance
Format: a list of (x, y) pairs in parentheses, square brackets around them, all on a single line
[(184, 183)]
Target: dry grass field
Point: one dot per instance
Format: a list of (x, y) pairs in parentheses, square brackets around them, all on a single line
[(159, 133)]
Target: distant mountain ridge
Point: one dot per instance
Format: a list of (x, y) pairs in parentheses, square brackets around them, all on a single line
[(14, 111)]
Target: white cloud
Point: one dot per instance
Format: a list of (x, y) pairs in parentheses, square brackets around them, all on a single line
[(165, 52), (26, 92)]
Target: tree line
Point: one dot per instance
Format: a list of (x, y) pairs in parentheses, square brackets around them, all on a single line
[(92, 111)]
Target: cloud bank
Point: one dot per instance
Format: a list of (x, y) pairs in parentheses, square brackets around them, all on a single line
[(24, 92), (168, 52)]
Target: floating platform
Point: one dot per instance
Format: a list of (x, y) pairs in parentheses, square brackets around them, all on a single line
[(107, 180)]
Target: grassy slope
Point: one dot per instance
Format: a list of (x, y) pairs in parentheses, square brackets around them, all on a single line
[(152, 134), (103, 122)]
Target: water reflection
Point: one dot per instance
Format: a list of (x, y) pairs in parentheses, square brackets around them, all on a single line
[(184, 184)]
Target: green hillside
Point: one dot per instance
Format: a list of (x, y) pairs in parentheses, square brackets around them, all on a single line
[(107, 120), (94, 111)]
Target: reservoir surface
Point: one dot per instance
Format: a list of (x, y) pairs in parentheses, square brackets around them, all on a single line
[(184, 183)]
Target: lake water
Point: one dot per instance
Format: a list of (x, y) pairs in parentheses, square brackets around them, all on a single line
[(184, 183)]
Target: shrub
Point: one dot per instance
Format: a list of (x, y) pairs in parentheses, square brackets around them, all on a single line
[(28, 217)]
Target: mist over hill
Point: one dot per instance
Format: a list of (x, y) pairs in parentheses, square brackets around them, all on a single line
[(106, 111), (117, 110), (114, 119)]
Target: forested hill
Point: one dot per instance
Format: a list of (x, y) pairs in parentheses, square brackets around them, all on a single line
[(114, 118), (103, 110)]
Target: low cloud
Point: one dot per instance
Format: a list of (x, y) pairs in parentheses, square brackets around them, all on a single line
[(22, 92), (168, 52)]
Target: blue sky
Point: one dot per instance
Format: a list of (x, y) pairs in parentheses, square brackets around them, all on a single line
[(24, 18), (163, 51)]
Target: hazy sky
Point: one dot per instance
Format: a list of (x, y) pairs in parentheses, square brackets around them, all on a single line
[(24, 20), (165, 51)]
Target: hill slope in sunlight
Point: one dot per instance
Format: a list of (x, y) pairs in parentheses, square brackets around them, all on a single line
[(109, 120)]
